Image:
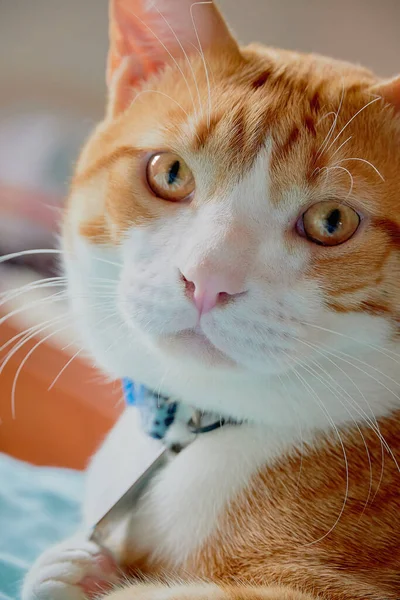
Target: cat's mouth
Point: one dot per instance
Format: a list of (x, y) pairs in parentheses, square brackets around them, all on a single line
[(196, 344)]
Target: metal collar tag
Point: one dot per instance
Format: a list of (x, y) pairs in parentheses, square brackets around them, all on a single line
[(144, 471)]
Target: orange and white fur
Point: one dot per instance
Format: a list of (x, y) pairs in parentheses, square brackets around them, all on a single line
[(241, 207)]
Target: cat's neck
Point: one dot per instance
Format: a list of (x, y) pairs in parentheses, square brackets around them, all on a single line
[(361, 388)]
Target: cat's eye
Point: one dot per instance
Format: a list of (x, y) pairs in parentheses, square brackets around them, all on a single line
[(329, 223), (169, 177)]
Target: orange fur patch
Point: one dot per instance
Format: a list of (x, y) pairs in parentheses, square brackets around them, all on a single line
[(297, 524)]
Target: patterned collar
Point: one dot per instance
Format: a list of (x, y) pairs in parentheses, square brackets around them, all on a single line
[(158, 412)]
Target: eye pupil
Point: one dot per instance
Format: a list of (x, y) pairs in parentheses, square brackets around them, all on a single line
[(329, 223), (169, 177), (173, 172), (332, 221)]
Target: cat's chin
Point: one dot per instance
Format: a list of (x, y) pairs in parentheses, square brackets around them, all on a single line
[(193, 344)]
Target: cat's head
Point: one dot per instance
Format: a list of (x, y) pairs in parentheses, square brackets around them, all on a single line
[(236, 214)]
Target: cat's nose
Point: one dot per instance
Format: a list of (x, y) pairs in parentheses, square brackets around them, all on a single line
[(208, 290)]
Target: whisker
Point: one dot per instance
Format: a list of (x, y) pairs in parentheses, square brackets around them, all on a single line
[(187, 60), (300, 430), (57, 296), (36, 282), (26, 339), (362, 362), (62, 295), (375, 428), (166, 49), (162, 94), (78, 351), (23, 362), (330, 420), (31, 288), (159, 392), (352, 119), (115, 334), (327, 169), (341, 146), (202, 56), (372, 424), (36, 331), (64, 368), (47, 281), (333, 126), (364, 161), (29, 330), (380, 349), (13, 255), (332, 112), (328, 387)]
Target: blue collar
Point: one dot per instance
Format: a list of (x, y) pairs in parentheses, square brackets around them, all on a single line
[(159, 412), (156, 411)]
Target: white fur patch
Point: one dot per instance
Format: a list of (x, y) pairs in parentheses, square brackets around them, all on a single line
[(187, 499)]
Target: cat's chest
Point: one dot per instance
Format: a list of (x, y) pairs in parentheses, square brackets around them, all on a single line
[(186, 501)]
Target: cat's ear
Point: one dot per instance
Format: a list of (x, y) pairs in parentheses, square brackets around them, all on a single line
[(148, 34), (389, 90)]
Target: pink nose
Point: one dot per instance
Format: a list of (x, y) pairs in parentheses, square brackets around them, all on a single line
[(207, 291)]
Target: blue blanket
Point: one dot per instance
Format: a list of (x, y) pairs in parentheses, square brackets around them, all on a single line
[(38, 507)]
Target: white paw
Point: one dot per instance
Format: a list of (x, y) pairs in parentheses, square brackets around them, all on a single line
[(74, 570)]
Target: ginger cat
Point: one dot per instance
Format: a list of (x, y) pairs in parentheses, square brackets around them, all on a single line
[(241, 208)]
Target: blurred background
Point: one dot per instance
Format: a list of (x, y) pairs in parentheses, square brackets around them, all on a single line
[(52, 63)]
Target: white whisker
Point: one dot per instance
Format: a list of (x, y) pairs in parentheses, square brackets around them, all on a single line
[(333, 126), (329, 114), (187, 60), (300, 428), (161, 94), (13, 255), (24, 360), (368, 365), (13, 294), (34, 328), (380, 349), (167, 51), (332, 423), (37, 282), (341, 146), (327, 169), (372, 422), (364, 161), (352, 119), (64, 368), (26, 339), (57, 296), (338, 396), (202, 56), (78, 352)]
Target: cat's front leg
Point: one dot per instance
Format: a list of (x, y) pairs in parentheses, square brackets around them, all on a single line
[(204, 591), (74, 570)]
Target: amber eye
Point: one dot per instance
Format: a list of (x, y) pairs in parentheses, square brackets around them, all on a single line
[(329, 223), (169, 177)]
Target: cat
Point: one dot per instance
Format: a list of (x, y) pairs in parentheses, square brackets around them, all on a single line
[(241, 207)]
